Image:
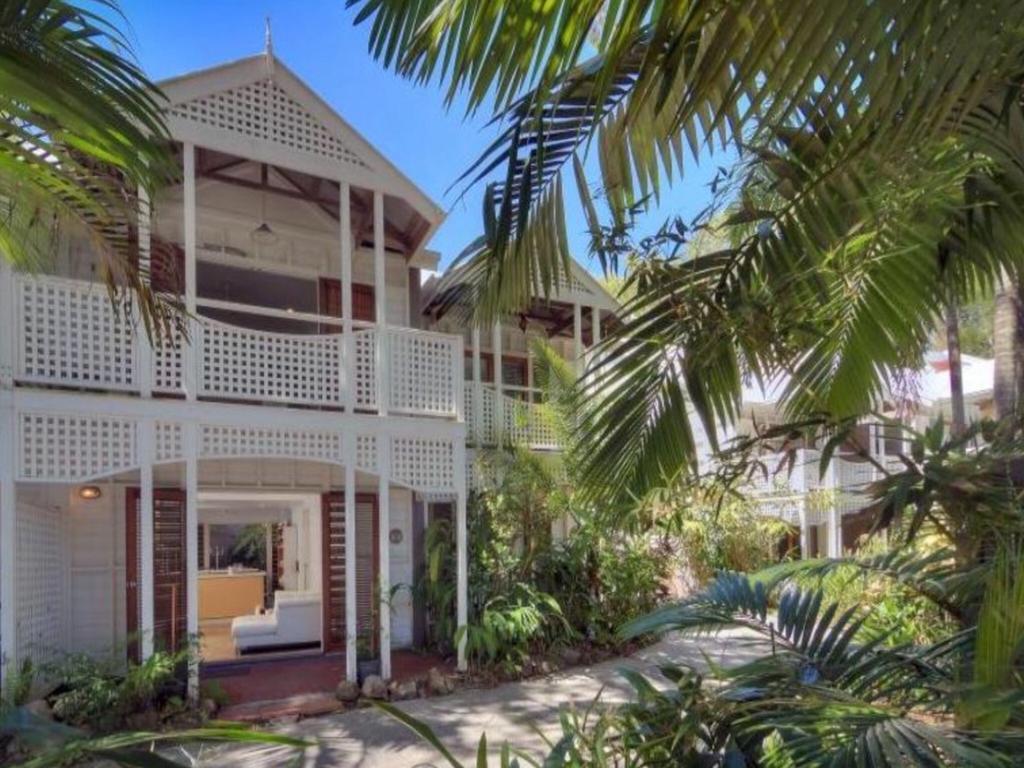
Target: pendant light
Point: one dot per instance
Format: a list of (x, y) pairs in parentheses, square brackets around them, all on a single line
[(263, 234)]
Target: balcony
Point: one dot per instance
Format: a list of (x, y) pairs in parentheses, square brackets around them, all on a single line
[(68, 335), (508, 419)]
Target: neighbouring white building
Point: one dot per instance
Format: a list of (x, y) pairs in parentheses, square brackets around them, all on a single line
[(828, 512), (311, 399)]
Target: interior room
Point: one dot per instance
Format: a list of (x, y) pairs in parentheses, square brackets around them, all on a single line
[(259, 575)]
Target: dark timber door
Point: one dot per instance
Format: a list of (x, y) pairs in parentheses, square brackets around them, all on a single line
[(333, 567), (170, 617)]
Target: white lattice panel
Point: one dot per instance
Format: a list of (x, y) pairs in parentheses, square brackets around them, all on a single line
[(69, 334), (169, 442), (243, 364), (39, 586), (167, 357), (264, 111), (222, 442), (366, 453), (366, 369), (65, 448), (423, 464), (482, 422), (529, 424), (422, 372)]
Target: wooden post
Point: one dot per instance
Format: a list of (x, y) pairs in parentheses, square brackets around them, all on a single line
[(8, 326), (147, 455), (191, 352), (144, 359), (348, 358), (477, 416), (8, 544), (577, 336), (192, 550), (461, 550), (384, 545), (351, 612), (380, 290), (499, 394)]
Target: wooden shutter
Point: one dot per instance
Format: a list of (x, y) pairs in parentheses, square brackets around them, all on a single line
[(363, 302), (170, 610), (333, 567)]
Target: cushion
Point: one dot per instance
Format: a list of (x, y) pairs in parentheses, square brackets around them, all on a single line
[(254, 626)]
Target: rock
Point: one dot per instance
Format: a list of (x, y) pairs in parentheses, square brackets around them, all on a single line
[(40, 708), (209, 707), (439, 683), (545, 667), (375, 688), (347, 691), (399, 690), (571, 657)]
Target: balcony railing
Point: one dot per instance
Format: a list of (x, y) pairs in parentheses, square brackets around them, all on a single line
[(521, 422), (69, 335)]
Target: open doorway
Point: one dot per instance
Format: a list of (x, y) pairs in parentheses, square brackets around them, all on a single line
[(259, 575)]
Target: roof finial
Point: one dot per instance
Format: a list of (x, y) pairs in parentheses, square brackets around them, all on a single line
[(268, 42)]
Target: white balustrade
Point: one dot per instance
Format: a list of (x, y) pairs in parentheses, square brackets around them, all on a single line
[(69, 335), (524, 423)]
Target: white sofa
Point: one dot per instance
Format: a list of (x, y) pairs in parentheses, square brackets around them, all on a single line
[(294, 620)]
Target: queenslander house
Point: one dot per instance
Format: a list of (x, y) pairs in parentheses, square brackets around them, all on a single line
[(265, 485)]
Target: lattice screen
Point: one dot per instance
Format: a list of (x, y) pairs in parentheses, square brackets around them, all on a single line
[(65, 448), (39, 584), (167, 356), (420, 370), (169, 445), (366, 453), (264, 111), (257, 365), (69, 334), (423, 464), (220, 442), (366, 369)]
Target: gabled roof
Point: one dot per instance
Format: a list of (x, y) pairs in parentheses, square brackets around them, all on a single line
[(257, 107)]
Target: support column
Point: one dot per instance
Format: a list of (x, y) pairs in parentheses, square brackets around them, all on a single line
[(351, 612), (806, 531), (595, 323), (348, 359), (192, 550), (577, 336), (144, 359), (206, 546), (380, 291), (190, 352), (8, 543), (8, 324), (478, 431), (384, 548), (461, 551), (147, 455), (499, 394)]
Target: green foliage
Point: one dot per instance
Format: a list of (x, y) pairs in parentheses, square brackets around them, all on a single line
[(100, 696), (250, 546)]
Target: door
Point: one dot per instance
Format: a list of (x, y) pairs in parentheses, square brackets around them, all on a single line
[(363, 302), (170, 615), (332, 531)]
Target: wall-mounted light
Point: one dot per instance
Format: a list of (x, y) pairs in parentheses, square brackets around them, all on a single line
[(89, 492)]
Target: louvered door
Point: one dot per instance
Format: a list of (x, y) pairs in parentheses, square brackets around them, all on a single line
[(333, 567)]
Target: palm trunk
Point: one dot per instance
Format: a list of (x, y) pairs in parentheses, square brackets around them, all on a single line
[(956, 371), (1008, 348)]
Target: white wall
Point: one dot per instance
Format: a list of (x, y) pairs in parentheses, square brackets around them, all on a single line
[(401, 571)]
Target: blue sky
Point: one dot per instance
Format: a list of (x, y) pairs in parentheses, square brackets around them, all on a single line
[(408, 123)]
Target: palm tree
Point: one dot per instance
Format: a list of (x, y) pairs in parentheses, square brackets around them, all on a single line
[(821, 283), (85, 141)]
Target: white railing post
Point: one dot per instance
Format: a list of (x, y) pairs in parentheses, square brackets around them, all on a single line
[(8, 543), (351, 610), (191, 352), (143, 356), (191, 439), (348, 356), (380, 291), (147, 455), (9, 325), (458, 379), (577, 336), (477, 416), (384, 548), (461, 550), (499, 395)]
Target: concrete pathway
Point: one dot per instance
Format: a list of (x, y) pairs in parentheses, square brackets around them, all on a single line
[(367, 738)]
